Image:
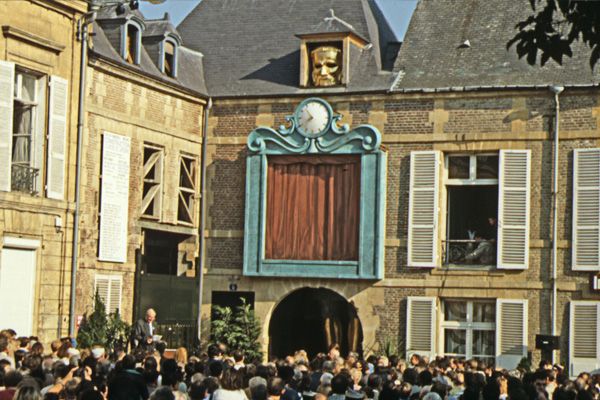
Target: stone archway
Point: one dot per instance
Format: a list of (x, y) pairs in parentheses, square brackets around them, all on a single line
[(312, 319)]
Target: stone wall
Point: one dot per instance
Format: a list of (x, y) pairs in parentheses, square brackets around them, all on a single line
[(39, 37)]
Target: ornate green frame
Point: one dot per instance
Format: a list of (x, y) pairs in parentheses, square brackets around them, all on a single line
[(364, 140)]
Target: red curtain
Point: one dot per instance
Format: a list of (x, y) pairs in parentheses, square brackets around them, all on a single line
[(313, 205)]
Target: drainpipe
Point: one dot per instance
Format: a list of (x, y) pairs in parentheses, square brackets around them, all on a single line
[(83, 37), (557, 90), (202, 221)]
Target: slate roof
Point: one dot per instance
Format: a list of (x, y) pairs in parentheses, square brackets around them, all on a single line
[(432, 58), (251, 48), (106, 39)]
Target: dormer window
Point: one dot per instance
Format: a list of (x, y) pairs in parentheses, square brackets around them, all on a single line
[(169, 57), (131, 42)]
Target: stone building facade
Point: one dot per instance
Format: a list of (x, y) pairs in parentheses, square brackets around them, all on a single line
[(39, 83)]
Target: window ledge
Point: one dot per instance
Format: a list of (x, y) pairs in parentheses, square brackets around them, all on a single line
[(158, 226), (467, 270)]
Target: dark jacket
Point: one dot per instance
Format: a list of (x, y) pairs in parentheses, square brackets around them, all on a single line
[(127, 385)]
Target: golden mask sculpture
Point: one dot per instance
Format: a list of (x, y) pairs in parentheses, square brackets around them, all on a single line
[(326, 66)]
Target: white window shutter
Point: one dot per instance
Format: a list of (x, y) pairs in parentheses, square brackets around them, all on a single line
[(102, 287), (109, 287), (513, 209), (423, 209), (586, 210), (420, 326), (115, 294), (511, 332), (584, 337), (7, 88), (57, 137)]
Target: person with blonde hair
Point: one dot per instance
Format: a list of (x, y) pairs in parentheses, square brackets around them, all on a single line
[(181, 356)]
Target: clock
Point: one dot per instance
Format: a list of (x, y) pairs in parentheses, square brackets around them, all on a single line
[(313, 118)]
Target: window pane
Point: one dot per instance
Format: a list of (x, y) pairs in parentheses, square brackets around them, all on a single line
[(22, 133), (458, 167), (483, 343), (484, 312), (28, 89), (169, 48), (487, 167), (455, 311), (455, 342)]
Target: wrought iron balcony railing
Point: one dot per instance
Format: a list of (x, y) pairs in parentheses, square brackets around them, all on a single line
[(469, 252), (24, 179)]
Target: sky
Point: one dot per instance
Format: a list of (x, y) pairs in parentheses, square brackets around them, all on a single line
[(398, 12)]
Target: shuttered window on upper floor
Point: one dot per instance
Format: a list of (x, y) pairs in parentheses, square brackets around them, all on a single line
[(586, 210), (512, 245), (23, 127)]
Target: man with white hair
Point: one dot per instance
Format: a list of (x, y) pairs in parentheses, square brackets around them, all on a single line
[(144, 330)]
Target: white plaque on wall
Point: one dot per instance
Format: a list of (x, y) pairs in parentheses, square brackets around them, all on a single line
[(114, 201)]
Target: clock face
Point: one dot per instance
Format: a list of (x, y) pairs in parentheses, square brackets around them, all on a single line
[(313, 118)]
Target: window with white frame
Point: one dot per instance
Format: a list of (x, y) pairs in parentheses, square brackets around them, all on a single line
[(30, 137), (168, 60), (494, 330), (131, 41), (109, 289), (28, 128), (152, 181), (468, 184), (468, 329), (187, 189), (471, 182)]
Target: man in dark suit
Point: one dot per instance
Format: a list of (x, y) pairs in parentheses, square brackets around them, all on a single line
[(144, 329)]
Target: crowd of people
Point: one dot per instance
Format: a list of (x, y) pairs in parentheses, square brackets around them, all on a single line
[(29, 371)]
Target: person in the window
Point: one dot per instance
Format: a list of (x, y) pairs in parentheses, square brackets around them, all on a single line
[(485, 252)]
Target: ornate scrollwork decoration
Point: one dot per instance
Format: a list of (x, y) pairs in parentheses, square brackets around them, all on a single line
[(369, 139), (337, 138), (260, 137)]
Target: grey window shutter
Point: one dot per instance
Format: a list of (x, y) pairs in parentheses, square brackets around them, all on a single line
[(586, 210), (423, 209), (584, 336), (7, 88), (421, 326), (511, 332), (57, 137), (513, 209)]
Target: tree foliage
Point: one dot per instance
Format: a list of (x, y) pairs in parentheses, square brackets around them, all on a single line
[(554, 27), (108, 330), (238, 330)]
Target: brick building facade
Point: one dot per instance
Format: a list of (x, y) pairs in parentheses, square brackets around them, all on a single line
[(144, 111), (455, 135), (441, 100)]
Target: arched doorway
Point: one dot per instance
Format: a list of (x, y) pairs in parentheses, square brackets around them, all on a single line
[(312, 319)]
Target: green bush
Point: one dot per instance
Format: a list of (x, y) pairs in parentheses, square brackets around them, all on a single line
[(99, 328), (238, 330)]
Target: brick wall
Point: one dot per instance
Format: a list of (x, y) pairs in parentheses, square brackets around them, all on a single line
[(147, 113), (467, 123)]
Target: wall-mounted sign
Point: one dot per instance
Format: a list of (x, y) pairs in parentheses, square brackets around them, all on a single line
[(114, 194)]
